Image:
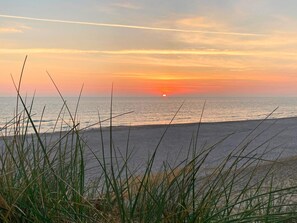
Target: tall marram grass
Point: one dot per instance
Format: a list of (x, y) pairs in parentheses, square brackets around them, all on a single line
[(43, 179)]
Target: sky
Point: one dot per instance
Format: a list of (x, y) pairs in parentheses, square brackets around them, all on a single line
[(150, 47)]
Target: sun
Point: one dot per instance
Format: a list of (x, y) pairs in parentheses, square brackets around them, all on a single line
[(164, 95)]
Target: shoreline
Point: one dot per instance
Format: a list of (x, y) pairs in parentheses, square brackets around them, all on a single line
[(115, 127)]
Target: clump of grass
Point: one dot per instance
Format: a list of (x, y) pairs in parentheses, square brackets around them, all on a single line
[(43, 179)]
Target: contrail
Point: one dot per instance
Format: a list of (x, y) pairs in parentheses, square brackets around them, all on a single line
[(112, 25)]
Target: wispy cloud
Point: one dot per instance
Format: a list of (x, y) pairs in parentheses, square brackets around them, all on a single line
[(113, 25), (125, 5), (14, 29), (183, 76), (193, 52), (198, 22), (192, 60), (275, 42), (125, 52), (10, 30)]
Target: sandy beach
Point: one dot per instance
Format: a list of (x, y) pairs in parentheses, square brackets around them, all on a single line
[(268, 140)]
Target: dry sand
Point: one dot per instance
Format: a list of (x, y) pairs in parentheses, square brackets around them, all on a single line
[(276, 138)]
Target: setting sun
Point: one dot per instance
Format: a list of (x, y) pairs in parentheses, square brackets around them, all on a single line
[(164, 95)]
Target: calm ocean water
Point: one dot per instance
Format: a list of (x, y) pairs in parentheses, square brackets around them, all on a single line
[(149, 111)]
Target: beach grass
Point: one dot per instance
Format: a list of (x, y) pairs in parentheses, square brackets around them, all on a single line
[(44, 179)]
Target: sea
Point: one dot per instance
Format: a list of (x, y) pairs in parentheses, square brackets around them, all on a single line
[(50, 114)]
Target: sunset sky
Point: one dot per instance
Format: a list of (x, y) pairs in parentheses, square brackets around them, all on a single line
[(150, 47)]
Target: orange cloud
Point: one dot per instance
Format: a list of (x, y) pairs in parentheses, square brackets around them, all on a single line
[(198, 22), (10, 30)]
